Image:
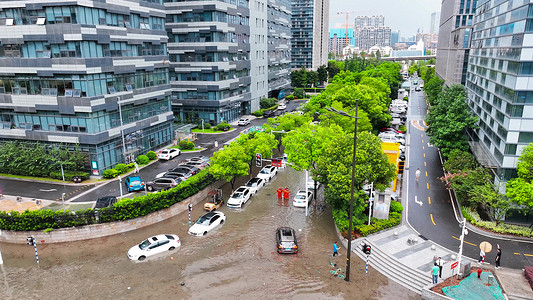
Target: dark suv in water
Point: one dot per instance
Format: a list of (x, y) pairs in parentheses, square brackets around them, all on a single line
[(286, 240)]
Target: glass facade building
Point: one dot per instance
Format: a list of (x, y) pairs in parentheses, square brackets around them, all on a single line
[(310, 36), (499, 93), (455, 27), (87, 73), (224, 58)]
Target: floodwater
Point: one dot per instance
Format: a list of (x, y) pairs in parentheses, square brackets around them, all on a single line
[(236, 261)]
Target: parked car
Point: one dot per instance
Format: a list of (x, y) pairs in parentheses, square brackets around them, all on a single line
[(186, 169), (282, 106), (255, 184), (243, 122), (163, 183), (300, 200), (134, 183), (286, 240), (198, 158), (391, 129), (311, 184), (196, 164), (391, 137), (168, 154), (106, 201), (267, 173), (239, 197), (182, 175), (207, 222), (154, 245), (268, 113)]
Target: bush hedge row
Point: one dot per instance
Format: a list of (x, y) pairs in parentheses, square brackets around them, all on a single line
[(395, 217), (473, 217), (124, 209)]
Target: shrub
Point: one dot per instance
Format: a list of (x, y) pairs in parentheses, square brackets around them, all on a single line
[(69, 175), (290, 97), (121, 168), (131, 166), (142, 159), (110, 173), (207, 125), (267, 102), (257, 113), (151, 155), (396, 206), (473, 217), (185, 145), (377, 225), (223, 126), (299, 93)]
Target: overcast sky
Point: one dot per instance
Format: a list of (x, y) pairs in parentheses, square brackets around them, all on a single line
[(404, 15)]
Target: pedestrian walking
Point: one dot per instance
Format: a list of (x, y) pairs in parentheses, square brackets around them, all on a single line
[(136, 168), (335, 249), (417, 173), (481, 257), (498, 257), (440, 264), (216, 144), (279, 191), (435, 273)]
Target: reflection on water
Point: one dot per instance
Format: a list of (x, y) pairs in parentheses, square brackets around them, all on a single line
[(235, 261)]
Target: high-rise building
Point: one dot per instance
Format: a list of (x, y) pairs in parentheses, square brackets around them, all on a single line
[(499, 93), (310, 34), (369, 21), (224, 58), (338, 40), (87, 73), (395, 38), (434, 26), (367, 37), (454, 39)]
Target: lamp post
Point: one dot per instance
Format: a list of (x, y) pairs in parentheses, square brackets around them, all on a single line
[(202, 125), (349, 252), (63, 200)]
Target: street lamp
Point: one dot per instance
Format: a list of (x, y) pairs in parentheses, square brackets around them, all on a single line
[(349, 252), (122, 129), (63, 200)]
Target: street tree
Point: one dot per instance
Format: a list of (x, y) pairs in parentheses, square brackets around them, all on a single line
[(335, 167), (520, 189), (322, 75), (448, 119), (488, 197), (312, 78), (258, 142), (333, 68), (433, 88), (299, 78), (229, 162), (459, 160)]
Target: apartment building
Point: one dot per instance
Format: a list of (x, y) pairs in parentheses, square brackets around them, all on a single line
[(338, 40), (367, 37), (310, 34), (369, 21), (225, 57), (87, 73), (454, 40), (499, 93)]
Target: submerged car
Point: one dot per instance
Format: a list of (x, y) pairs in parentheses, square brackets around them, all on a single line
[(154, 245), (106, 201), (301, 200), (207, 222), (255, 184), (239, 197), (267, 173), (286, 240), (134, 183)]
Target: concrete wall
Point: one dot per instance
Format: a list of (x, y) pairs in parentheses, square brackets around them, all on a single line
[(106, 229)]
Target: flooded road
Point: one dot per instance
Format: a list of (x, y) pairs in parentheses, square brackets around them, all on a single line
[(235, 261)]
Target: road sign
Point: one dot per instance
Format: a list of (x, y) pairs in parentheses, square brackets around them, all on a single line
[(454, 265)]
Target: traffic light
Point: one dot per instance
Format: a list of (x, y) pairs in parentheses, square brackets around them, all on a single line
[(30, 240), (401, 166), (368, 249), (258, 159)]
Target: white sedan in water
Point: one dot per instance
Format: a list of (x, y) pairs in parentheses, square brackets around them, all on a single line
[(154, 245), (207, 222), (300, 200)]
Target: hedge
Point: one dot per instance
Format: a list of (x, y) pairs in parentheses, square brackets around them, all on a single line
[(69, 175), (395, 217), (125, 209), (473, 217)]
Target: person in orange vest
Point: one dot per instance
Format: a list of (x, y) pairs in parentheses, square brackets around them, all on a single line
[(279, 192), (286, 193)]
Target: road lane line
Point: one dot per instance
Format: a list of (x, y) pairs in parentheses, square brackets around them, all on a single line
[(424, 154), (427, 185), (429, 200), (423, 148), (424, 164), (422, 141), (432, 220), (464, 241), (426, 173), (528, 255), (516, 253)]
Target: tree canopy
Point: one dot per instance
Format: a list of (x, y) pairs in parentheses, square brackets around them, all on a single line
[(520, 190)]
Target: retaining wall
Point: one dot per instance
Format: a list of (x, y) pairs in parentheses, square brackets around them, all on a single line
[(62, 235)]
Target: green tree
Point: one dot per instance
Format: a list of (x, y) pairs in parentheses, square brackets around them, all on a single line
[(228, 163), (333, 68), (259, 142), (520, 190), (322, 75), (312, 78), (299, 78), (459, 160), (433, 88), (448, 120), (488, 197), (462, 182)]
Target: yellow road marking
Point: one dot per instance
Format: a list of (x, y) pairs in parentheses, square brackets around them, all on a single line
[(464, 241), (422, 141), (424, 164), (427, 185), (429, 199), (423, 148), (432, 220), (426, 173), (528, 254), (424, 154), (516, 253)]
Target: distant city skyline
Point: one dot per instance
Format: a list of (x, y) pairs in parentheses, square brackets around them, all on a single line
[(407, 16)]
